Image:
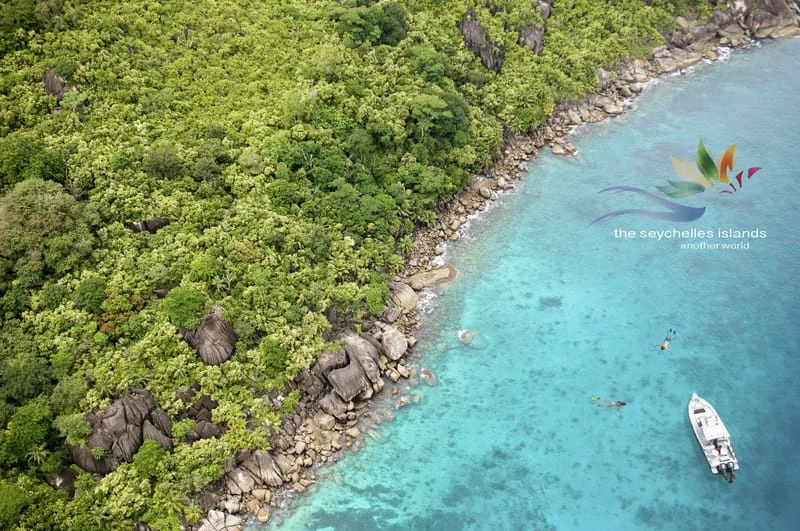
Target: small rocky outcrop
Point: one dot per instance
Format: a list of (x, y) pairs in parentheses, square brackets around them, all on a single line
[(394, 343), (403, 296), (490, 54), (432, 278), (309, 384), (361, 369), (54, 85), (161, 292), (215, 339), (545, 6), (333, 405), (149, 225), (767, 18), (65, 480), (531, 37), (329, 361), (219, 521), (362, 351), (120, 430), (200, 411)]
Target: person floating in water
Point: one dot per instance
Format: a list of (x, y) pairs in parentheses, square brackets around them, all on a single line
[(665, 344), (599, 402)]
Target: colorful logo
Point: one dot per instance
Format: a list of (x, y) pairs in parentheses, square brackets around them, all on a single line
[(694, 180)]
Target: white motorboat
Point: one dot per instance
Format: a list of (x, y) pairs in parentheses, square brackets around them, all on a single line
[(713, 437)]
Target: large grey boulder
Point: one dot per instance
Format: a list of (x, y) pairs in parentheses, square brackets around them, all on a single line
[(215, 339), (329, 361), (239, 482), (120, 430), (545, 6), (219, 521), (432, 278), (332, 404), (394, 343), (349, 381), (767, 18), (324, 421), (490, 54), (54, 85), (204, 429), (363, 352), (309, 384), (263, 468), (149, 225), (403, 296), (531, 37)]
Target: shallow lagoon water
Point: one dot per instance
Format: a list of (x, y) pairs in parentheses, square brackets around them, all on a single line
[(564, 311)]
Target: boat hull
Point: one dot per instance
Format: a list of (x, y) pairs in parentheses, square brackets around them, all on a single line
[(713, 437)]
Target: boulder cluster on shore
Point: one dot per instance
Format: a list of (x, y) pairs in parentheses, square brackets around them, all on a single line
[(337, 410)]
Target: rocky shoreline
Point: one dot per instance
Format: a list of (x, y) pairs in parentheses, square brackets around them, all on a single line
[(337, 410)]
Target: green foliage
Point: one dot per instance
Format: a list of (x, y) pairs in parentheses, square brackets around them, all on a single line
[(97, 452), (26, 432), (31, 215), (148, 458), (22, 158), (73, 428), (377, 293), (16, 17), (162, 162), (204, 267), (65, 68), (67, 395), (24, 373), (24, 376), (698, 8), (52, 295), (290, 401), (13, 500), (274, 356), (61, 362), (251, 162), (90, 294), (379, 24), (184, 306)]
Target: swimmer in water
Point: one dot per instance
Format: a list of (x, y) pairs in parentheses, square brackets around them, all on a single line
[(598, 402)]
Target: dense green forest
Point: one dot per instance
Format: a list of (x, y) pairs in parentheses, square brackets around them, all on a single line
[(293, 144)]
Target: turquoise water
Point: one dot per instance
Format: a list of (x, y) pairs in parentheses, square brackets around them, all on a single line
[(564, 311)]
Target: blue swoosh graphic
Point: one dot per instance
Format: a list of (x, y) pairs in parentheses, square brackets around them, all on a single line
[(675, 212)]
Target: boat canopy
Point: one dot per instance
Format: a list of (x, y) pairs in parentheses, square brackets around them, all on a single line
[(713, 429)]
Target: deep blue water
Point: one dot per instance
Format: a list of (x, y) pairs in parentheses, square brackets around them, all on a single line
[(564, 311)]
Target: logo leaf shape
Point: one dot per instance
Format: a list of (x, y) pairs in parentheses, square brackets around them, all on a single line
[(726, 163), (706, 164), (681, 189)]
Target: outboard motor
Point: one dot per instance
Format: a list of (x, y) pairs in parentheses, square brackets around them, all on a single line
[(732, 474)]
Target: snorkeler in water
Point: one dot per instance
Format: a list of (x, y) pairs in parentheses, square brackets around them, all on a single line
[(665, 344)]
